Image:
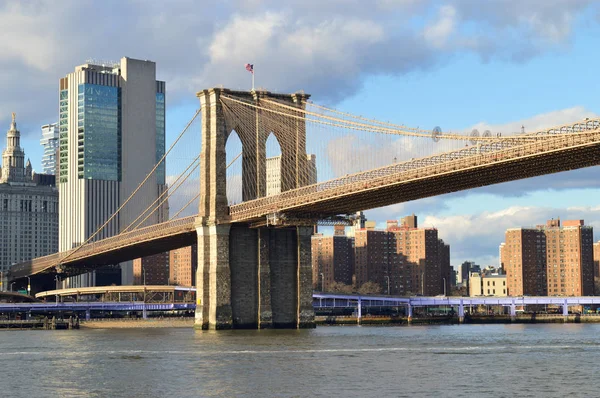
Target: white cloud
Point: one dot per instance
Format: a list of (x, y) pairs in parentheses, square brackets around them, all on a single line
[(325, 48), (438, 33)]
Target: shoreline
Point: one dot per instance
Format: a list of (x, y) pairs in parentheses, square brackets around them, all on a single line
[(349, 321), (137, 323)]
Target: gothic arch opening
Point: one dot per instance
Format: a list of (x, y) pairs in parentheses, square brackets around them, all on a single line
[(233, 156), (273, 168)]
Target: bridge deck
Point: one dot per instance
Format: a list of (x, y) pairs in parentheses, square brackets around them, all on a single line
[(471, 167)]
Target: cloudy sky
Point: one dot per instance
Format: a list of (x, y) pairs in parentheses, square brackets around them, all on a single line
[(462, 64)]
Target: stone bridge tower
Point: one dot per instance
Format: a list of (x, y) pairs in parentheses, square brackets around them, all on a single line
[(250, 277)]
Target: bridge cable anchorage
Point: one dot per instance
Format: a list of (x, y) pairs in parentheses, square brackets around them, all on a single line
[(92, 236)]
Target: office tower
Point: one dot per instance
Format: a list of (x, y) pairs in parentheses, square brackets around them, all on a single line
[(28, 207), (111, 134), (49, 141), (549, 259), (183, 264), (332, 260)]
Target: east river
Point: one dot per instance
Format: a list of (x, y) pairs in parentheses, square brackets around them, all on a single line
[(545, 360)]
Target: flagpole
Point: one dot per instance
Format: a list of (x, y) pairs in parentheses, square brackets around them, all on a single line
[(253, 78)]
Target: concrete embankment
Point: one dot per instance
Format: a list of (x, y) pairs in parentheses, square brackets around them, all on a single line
[(137, 323)]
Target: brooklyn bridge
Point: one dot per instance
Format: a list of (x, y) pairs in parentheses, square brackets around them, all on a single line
[(254, 242)]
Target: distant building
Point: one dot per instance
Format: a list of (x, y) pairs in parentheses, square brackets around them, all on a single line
[(111, 134), (597, 261), (371, 251), (332, 259), (28, 208), (411, 260), (49, 141), (151, 270), (549, 259), (183, 264), (487, 285), (274, 173)]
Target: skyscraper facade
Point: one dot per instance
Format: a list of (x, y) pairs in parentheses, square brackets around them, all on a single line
[(49, 141), (111, 133), (550, 259), (28, 207)]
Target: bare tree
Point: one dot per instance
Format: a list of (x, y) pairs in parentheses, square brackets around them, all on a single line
[(370, 288)]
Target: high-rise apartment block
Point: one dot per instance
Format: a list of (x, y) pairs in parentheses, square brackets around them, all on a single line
[(111, 134), (402, 259), (49, 141), (183, 264), (597, 261), (549, 259), (28, 207), (332, 259), (151, 270)]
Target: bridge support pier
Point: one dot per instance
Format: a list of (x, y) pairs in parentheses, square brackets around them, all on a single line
[(254, 278), (565, 311), (513, 312), (461, 312)]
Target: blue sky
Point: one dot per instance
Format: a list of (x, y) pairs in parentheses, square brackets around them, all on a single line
[(458, 64)]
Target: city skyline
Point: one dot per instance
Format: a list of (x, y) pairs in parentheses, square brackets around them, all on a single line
[(521, 71)]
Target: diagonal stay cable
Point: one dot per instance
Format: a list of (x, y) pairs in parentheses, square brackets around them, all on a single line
[(198, 195), (135, 191), (170, 194), (160, 196)]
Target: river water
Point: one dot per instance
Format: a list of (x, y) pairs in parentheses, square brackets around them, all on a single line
[(552, 360)]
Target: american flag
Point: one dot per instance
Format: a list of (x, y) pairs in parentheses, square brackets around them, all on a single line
[(250, 68)]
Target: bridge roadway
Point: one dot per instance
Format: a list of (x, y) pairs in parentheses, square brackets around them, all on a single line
[(566, 148)]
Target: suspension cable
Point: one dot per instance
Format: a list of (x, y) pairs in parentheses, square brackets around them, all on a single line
[(136, 190)]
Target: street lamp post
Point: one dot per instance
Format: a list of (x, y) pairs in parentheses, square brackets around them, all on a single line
[(422, 283), (28, 286), (388, 284), (57, 285), (11, 286), (144, 272), (444, 286), (322, 282)]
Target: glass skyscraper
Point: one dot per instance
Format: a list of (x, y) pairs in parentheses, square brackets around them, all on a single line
[(111, 133), (49, 141)]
